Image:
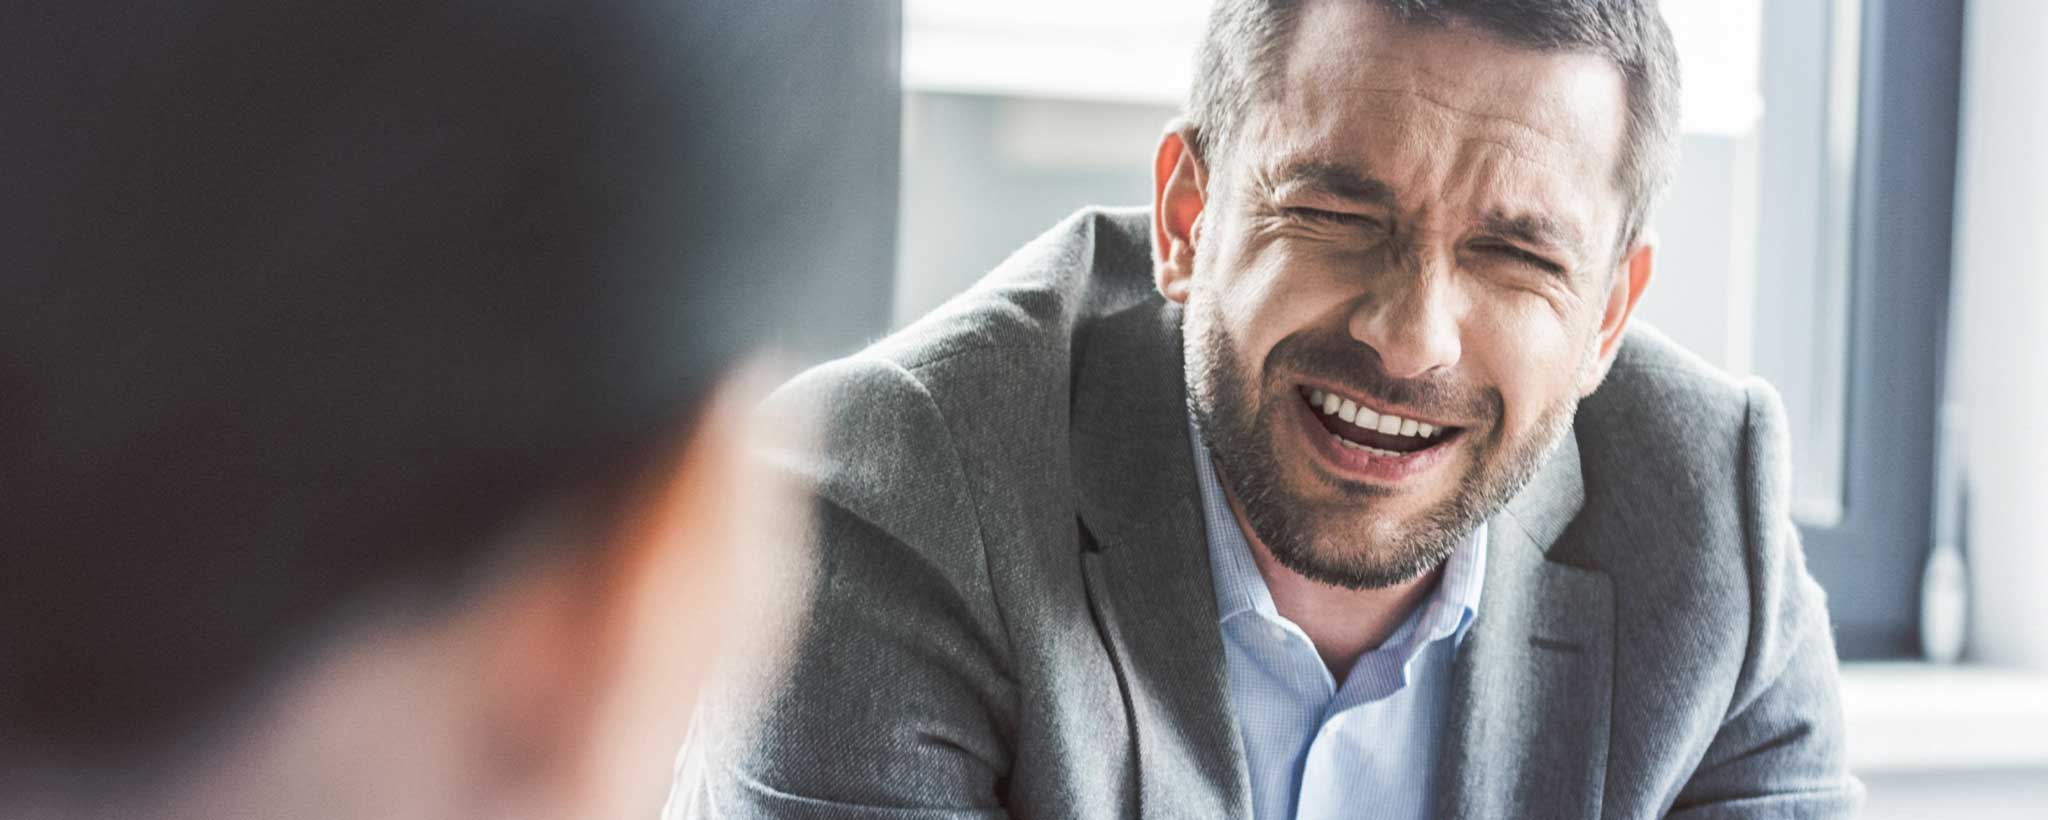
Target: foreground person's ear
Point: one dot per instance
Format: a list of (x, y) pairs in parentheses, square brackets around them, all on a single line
[(1179, 190), (606, 661)]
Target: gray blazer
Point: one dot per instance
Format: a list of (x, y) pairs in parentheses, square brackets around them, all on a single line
[(1014, 615)]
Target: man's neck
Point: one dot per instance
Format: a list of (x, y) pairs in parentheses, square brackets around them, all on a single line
[(1342, 623)]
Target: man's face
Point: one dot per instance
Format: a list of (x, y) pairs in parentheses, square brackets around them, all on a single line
[(1421, 226)]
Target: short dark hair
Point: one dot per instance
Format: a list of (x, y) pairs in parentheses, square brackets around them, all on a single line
[(315, 305), (1245, 48)]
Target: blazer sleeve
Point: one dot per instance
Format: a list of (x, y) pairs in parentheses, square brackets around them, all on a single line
[(1780, 750), (898, 697)]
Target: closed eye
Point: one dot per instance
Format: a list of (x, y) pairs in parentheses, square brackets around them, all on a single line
[(1518, 255), (1332, 217)]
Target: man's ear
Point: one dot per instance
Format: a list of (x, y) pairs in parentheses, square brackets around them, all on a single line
[(1631, 277), (710, 578), (1179, 189)]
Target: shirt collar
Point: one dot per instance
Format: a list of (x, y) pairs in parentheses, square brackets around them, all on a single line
[(1448, 612)]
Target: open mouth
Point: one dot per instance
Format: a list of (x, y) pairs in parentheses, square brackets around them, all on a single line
[(1361, 428)]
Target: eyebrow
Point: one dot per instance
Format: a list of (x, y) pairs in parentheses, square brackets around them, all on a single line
[(1335, 179), (1534, 229)]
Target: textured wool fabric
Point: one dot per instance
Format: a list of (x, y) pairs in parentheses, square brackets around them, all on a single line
[(1314, 749), (1015, 615)]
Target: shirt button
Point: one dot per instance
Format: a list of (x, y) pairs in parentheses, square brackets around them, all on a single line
[(1277, 632)]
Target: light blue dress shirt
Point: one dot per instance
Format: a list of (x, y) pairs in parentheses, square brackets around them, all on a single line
[(1314, 750)]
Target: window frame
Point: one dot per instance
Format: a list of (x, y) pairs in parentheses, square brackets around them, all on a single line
[(1900, 246)]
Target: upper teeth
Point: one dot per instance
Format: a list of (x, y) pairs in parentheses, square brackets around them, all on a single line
[(1334, 405)]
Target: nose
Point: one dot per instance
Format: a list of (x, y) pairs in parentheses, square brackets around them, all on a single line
[(1411, 320)]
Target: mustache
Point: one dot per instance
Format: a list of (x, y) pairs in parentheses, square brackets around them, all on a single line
[(1356, 367)]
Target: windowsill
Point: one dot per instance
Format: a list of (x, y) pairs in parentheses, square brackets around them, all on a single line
[(1921, 717)]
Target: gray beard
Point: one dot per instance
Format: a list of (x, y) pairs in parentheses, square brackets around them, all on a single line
[(1312, 543)]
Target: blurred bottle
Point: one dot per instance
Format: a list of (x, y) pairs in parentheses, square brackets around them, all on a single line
[(1944, 582)]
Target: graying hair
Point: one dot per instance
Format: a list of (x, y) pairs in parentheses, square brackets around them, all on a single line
[(1244, 51)]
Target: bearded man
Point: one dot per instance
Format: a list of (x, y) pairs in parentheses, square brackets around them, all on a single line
[(1334, 484)]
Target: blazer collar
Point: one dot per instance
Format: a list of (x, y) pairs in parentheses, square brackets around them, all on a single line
[(1531, 688), (1146, 563), (1129, 439)]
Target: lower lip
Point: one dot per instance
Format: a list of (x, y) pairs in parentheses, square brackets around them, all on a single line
[(1359, 464)]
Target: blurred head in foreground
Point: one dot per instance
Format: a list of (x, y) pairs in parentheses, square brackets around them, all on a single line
[(369, 410)]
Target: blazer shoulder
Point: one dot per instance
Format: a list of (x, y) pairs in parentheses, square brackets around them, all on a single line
[(1685, 478), (1664, 413), (1094, 262), (865, 435), (1719, 610), (994, 365), (1652, 369)]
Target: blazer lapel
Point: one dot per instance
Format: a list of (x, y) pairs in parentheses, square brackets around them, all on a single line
[(1146, 564), (1530, 692)]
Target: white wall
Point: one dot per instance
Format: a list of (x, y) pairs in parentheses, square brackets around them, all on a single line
[(2000, 376)]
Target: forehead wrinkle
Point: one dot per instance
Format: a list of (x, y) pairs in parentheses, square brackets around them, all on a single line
[(1337, 120), (1419, 92), (1548, 163), (1411, 79)]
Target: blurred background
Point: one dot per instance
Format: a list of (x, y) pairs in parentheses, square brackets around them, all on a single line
[(1860, 217)]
